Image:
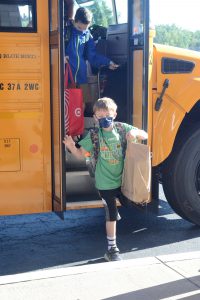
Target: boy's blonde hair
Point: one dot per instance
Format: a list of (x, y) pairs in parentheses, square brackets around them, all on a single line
[(105, 104)]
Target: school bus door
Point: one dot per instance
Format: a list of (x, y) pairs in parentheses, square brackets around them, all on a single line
[(140, 72), (138, 20), (57, 104)]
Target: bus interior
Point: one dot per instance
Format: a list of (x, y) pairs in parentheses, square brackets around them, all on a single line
[(111, 41)]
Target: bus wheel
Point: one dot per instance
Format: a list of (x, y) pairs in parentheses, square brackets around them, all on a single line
[(181, 177)]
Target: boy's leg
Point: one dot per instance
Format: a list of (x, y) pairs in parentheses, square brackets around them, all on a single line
[(111, 228), (112, 215), (111, 234), (124, 201)]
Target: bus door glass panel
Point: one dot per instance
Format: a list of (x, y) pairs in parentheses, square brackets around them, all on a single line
[(122, 11), (138, 26), (102, 10), (57, 104)]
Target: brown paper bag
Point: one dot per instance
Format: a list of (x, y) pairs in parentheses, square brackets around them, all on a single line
[(136, 179)]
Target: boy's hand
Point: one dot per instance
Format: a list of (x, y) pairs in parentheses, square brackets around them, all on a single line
[(136, 134), (142, 135), (113, 66), (69, 142), (66, 59), (70, 145), (131, 135)]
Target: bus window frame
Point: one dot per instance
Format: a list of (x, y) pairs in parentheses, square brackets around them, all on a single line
[(32, 29)]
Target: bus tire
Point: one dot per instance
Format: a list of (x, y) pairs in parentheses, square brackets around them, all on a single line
[(169, 189), (181, 177)]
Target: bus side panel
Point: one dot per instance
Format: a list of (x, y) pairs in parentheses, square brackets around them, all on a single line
[(166, 124), (25, 156), (179, 98)]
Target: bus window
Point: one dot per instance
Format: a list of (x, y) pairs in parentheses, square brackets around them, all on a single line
[(138, 17), (122, 11), (76, 6), (102, 11), (18, 15)]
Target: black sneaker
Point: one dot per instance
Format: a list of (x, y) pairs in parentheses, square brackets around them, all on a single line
[(112, 254)]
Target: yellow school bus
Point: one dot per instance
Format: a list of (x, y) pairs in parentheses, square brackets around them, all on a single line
[(156, 88)]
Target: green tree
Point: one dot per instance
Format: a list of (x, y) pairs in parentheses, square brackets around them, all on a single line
[(175, 36), (102, 14)]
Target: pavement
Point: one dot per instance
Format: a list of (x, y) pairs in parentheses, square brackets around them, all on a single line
[(166, 277)]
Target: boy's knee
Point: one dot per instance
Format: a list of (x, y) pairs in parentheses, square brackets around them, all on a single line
[(111, 213), (112, 219)]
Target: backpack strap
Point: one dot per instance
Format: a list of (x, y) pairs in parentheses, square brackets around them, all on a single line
[(122, 134), (94, 134)]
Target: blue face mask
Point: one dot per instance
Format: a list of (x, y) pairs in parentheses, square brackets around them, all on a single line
[(105, 122)]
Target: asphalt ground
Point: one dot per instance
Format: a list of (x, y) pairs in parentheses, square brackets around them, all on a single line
[(43, 241)]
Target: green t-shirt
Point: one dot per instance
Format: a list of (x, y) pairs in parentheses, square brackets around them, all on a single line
[(110, 163)]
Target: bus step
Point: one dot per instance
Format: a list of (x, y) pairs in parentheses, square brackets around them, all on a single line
[(86, 204)]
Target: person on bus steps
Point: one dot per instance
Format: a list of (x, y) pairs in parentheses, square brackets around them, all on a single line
[(110, 162), (80, 47)]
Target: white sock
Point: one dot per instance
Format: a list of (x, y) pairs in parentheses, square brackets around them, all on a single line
[(111, 242)]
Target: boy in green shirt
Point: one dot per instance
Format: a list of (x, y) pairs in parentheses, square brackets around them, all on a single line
[(109, 166)]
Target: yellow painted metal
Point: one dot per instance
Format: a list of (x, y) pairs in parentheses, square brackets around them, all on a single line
[(179, 98), (25, 155), (138, 87), (10, 155), (166, 123), (150, 87)]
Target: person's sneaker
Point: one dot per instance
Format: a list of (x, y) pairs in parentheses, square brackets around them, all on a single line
[(112, 254)]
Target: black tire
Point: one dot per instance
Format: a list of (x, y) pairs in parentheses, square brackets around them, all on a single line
[(181, 176), (169, 188)]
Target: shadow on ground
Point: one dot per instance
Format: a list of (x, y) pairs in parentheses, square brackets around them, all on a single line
[(40, 241)]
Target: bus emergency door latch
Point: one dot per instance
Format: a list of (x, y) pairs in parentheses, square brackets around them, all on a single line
[(160, 99)]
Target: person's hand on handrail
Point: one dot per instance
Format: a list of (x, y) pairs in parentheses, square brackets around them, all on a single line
[(113, 66), (66, 60)]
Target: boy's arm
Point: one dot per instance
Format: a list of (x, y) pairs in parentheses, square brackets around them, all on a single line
[(70, 145), (138, 134), (95, 59)]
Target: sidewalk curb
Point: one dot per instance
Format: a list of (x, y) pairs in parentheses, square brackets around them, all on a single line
[(76, 270)]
